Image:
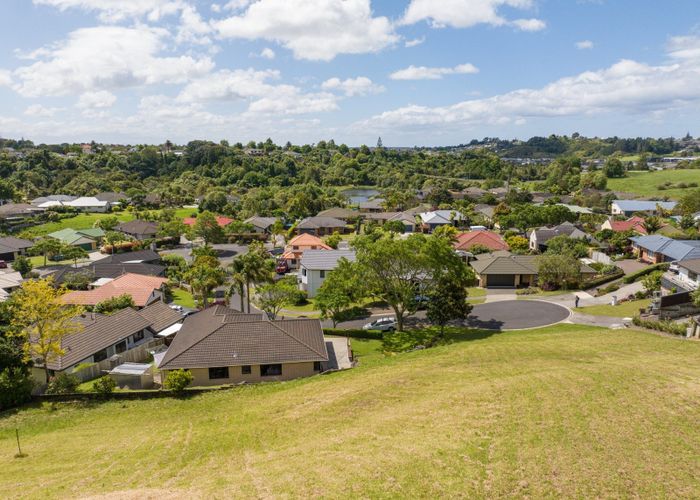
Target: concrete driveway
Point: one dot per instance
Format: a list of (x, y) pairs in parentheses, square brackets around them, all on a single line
[(516, 314)]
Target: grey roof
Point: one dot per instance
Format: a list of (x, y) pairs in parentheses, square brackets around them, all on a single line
[(375, 203), (642, 205), (137, 256), (545, 234), (261, 222), (160, 315), (338, 213), (138, 227), (691, 265), (135, 369), (52, 197), (318, 222), (12, 244), (325, 260), (514, 264), (111, 196), (673, 249), (219, 336)]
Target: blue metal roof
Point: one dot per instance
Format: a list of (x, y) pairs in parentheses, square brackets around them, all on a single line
[(673, 249), (643, 206)]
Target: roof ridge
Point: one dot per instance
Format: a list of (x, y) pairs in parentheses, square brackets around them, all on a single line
[(294, 338)]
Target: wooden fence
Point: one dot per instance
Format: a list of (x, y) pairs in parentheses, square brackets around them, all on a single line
[(138, 354)]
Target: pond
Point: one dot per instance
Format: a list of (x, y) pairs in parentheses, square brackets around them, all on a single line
[(356, 196)]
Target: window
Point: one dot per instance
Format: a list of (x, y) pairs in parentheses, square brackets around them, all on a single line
[(245, 370), (99, 356), (270, 370), (322, 273), (120, 347), (317, 366), (295, 247), (218, 372), (303, 271), (138, 336)]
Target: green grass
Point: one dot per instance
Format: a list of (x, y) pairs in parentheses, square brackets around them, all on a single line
[(476, 295), (622, 310), (183, 298), (646, 183), (80, 221), (566, 411), (38, 261), (544, 293)]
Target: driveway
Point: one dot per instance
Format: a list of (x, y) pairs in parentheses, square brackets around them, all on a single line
[(516, 314)]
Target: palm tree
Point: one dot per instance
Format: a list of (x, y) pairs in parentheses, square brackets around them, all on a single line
[(258, 267), (652, 224), (203, 279), (238, 280)]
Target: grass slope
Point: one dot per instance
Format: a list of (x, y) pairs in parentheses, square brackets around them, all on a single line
[(622, 310), (646, 183), (565, 411)]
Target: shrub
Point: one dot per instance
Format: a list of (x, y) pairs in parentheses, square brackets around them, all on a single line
[(601, 280), (631, 278), (178, 380), (662, 325), (63, 383), (527, 291), (104, 385), (15, 387)]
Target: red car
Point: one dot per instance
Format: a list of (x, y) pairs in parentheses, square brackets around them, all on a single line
[(282, 267)]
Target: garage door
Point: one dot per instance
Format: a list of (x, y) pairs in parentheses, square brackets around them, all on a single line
[(501, 280)]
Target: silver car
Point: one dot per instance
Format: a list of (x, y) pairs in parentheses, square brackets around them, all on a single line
[(381, 324)]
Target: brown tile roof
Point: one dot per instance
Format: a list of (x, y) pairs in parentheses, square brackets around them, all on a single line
[(160, 315), (222, 337), (140, 288), (138, 227)]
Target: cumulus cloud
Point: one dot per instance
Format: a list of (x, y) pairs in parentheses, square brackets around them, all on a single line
[(414, 42), (428, 73), (468, 13), (353, 86), (100, 99), (312, 29), (5, 78), (37, 110), (584, 44), (117, 10), (627, 87), (106, 57), (267, 53)]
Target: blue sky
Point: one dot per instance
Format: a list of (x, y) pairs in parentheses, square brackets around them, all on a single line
[(416, 72)]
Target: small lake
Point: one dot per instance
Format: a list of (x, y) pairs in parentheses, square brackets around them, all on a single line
[(356, 196)]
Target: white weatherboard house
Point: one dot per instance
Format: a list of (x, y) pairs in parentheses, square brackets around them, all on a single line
[(315, 266), (689, 274), (631, 207)]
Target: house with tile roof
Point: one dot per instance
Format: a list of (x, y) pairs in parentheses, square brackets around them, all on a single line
[(11, 247), (296, 247), (315, 266), (512, 271), (9, 282), (321, 226), (489, 239), (635, 224), (220, 220), (539, 237), (145, 290), (139, 229), (261, 225), (656, 248), (408, 219), (341, 213), (430, 221), (222, 346)]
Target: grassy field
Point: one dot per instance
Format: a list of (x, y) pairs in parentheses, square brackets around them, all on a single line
[(646, 183), (565, 411), (622, 310)]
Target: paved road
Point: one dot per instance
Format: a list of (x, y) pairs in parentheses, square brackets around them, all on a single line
[(226, 252)]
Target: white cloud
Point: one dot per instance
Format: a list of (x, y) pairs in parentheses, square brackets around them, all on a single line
[(529, 24), (117, 10), (289, 100), (267, 53), (414, 42), (5, 78), (627, 87), (312, 29), (100, 99), (427, 73), (40, 111), (584, 45), (468, 13), (353, 86), (106, 57), (192, 27)]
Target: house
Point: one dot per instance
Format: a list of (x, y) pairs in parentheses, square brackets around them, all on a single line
[(372, 206), (114, 199), (261, 225), (315, 266), (146, 256), (89, 204), (300, 244), (18, 211), (407, 218), (9, 282), (341, 213), (540, 237), (689, 274), (321, 226), (139, 229), (104, 336), (436, 218), (631, 207), (635, 224), (107, 271), (221, 346), (488, 239), (220, 220), (655, 249), (512, 271), (11, 248), (486, 211), (473, 193), (144, 290), (87, 239), (60, 199)]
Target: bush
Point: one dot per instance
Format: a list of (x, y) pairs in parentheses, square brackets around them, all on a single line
[(63, 383), (104, 385), (532, 290), (299, 297), (662, 326), (601, 280), (631, 278), (15, 387), (178, 380)]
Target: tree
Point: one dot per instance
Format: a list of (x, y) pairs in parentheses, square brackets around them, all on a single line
[(696, 297), (108, 306), (564, 245), (48, 247), (447, 301), (380, 144), (111, 238), (178, 380), (272, 297), (22, 265), (107, 223), (556, 271), (172, 229), (258, 267), (447, 232), (74, 254), (78, 280), (238, 280), (338, 291), (203, 277), (214, 201), (652, 281), (614, 168), (175, 267), (207, 228), (333, 240), (518, 244), (43, 320), (394, 226), (652, 224)]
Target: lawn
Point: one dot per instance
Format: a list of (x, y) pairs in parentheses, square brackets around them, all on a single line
[(80, 221), (622, 310), (38, 261), (476, 295), (565, 411), (646, 183), (183, 298)]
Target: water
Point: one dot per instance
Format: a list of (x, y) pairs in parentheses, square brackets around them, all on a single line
[(357, 196)]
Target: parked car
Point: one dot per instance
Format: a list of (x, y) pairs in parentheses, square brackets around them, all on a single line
[(282, 267), (422, 301), (3, 264), (381, 324), (276, 251)]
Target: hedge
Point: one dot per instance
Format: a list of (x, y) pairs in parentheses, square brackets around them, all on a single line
[(355, 334), (631, 278), (662, 326), (607, 278)]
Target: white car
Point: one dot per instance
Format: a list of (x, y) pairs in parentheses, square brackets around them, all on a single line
[(381, 324)]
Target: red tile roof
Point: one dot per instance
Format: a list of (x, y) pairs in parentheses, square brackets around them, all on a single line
[(631, 224), (485, 238), (140, 288), (221, 220)]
